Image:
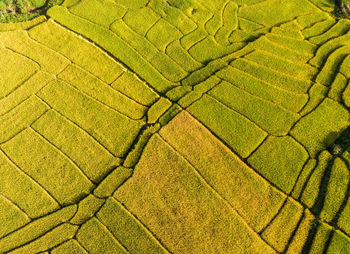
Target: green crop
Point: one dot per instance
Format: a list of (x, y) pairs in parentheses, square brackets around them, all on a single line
[(174, 126)]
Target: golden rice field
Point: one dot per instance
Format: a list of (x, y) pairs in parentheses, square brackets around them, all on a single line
[(175, 126)]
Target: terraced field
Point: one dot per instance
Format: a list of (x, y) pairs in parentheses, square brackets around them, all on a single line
[(178, 126)]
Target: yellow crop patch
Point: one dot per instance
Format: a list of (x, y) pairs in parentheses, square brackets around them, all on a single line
[(175, 126)]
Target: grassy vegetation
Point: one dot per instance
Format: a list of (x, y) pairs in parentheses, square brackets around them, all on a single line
[(174, 126), (22, 10)]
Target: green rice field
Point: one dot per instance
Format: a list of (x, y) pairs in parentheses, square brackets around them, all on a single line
[(175, 126)]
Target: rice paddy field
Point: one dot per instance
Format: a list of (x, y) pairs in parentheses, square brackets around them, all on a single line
[(174, 126)]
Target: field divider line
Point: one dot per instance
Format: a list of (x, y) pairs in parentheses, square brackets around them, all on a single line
[(216, 193), (116, 239), (144, 227), (62, 153), (30, 177), (16, 206)]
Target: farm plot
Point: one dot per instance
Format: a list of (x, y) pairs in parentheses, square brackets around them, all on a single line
[(180, 126)]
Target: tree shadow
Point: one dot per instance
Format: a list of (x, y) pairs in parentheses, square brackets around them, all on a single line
[(337, 143)]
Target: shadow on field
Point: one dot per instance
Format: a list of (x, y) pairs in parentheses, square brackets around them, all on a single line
[(339, 147)]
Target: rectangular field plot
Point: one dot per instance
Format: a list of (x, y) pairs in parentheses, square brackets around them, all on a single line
[(177, 199)]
